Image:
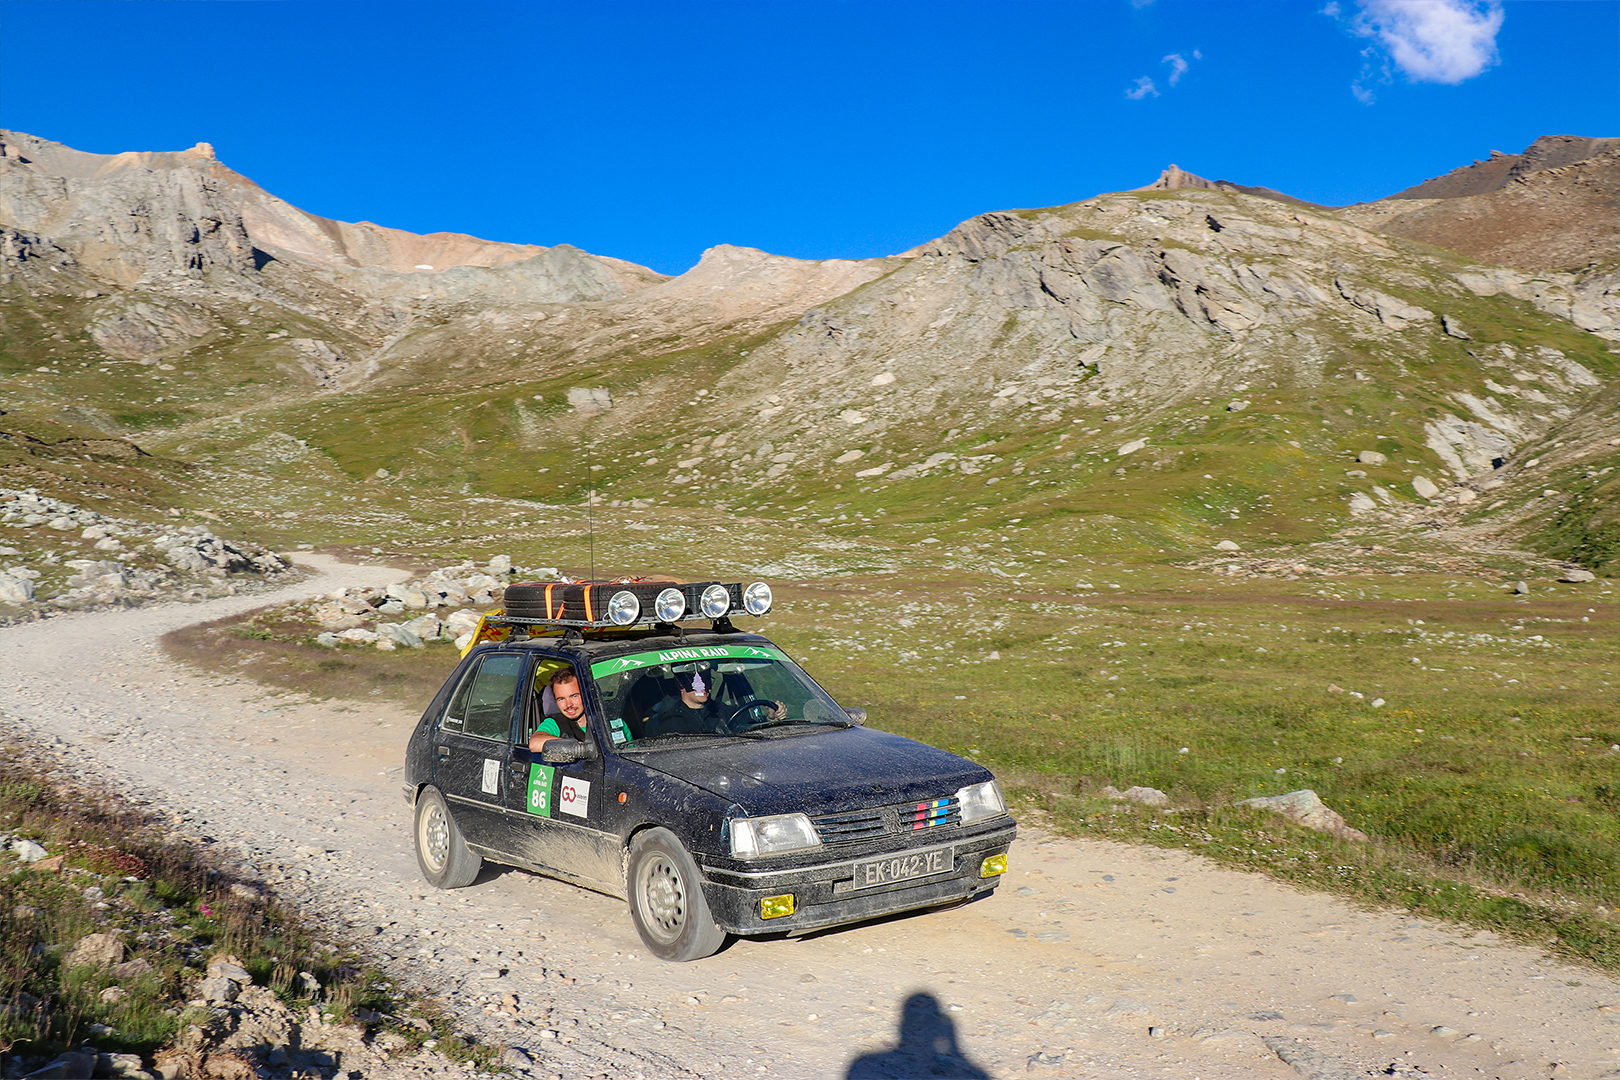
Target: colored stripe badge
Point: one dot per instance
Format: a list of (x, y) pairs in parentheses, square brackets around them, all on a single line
[(928, 814)]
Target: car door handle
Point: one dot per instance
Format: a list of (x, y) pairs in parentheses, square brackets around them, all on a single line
[(444, 752)]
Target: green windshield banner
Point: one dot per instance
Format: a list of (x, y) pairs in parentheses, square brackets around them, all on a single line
[(685, 656)]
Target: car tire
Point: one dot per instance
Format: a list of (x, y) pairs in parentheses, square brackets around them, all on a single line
[(441, 853), (666, 899)]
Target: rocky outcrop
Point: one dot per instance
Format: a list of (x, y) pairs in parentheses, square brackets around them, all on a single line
[(150, 216)]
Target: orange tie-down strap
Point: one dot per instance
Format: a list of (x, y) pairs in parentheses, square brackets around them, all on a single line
[(556, 610)]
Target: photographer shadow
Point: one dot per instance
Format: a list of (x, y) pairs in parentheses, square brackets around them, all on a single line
[(927, 1047)]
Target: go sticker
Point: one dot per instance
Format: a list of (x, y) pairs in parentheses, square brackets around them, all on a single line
[(539, 801), (575, 796)]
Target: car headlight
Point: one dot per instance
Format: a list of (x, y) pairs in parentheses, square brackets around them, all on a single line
[(981, 801), (769, 835)]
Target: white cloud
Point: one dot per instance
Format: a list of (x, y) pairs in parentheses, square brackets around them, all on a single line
[(1144, 88), (1439, 41), (1178, 67)]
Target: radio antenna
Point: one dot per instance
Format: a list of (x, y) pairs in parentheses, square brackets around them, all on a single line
[(590, 501)]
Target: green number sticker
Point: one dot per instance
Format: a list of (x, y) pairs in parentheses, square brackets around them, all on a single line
[(540, 777)]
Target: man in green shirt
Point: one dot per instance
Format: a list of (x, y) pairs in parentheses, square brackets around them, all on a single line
[(570, 702)]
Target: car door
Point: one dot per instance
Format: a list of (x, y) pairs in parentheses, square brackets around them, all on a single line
[(561, 817), (473, 748)]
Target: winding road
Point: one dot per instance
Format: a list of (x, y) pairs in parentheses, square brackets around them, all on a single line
[(1093, 960)]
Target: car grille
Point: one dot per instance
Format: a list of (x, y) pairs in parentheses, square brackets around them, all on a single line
[(884, 820)]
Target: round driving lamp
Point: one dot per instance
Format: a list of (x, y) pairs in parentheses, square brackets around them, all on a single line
[(669, 605), (716, 601), (757, 598), (623, 608)]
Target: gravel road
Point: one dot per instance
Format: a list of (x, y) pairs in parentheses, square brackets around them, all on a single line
[(1093, 960)]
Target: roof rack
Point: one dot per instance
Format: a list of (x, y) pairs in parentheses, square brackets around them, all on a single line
[(622, 604)]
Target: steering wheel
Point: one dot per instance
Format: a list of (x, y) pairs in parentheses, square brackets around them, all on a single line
[(761, 709)]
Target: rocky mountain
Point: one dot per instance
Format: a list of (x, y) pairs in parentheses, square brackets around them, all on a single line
[(1115, 359), (1556, 206)]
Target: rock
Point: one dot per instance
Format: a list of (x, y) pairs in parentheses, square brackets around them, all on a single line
[(69, 1066), (95, 950), (426, 627), (500, 565), (1424, 487), (1228, 545), (328, 640), (1138, 794), (218, 990), (360, 634), (120, 1066), (1308, 809), (883, 378), (186, 559), (399, 635), (15, 590), (1131, 447), (1466, 495), (589, 401), (1361, 504), (1454, 328), (1372, 457), (27, 851), (849, 456), (229, 967), (515, 1058), (407, 596), (1578, 575), (113, 995), (1520, 588), (132, 969), (1236, 406)]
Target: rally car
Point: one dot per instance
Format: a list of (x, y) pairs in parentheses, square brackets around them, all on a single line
[(769, 808)]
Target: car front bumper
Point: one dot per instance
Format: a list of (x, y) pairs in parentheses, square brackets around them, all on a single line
[(826, 893)]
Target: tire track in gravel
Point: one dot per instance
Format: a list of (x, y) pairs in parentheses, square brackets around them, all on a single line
[(1093, 960)]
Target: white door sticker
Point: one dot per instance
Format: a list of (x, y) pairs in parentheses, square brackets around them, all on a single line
[(492, 776), (575, 796)]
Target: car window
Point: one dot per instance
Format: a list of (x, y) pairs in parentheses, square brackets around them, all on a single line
[(632, 687), (482, 705)]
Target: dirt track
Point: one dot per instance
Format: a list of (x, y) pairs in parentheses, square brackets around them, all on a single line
[(1093, 960)]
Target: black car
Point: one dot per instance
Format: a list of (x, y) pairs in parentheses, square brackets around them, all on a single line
[(752, 804)]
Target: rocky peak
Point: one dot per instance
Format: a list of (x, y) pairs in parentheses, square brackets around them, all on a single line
[(1499, 170)]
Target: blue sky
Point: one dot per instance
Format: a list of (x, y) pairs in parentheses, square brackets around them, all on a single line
[(651, 131)]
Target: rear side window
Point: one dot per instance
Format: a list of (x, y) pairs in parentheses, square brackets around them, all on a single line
[(483, 703)]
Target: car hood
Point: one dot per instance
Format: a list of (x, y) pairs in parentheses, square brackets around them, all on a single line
[(819, 773)]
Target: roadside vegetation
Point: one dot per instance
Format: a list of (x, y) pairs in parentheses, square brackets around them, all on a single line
[(110, 868)]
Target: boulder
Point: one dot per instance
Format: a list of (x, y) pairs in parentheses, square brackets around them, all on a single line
[(1372, 457), (1131, 447), (15, 590), (1307, 808), (1578, 576), (1424, 487), (1228, 545), (95, 950), (398, 634), (28, 851)]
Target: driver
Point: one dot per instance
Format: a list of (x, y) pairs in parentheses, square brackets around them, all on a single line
[(570, 702)]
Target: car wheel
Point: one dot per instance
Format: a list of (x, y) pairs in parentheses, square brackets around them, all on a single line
[(666, 899), (440, 851)]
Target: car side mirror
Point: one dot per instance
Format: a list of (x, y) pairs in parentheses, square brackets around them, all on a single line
[(856, 714), (566, 751)]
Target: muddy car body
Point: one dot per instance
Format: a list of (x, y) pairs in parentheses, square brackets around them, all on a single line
[(789, 816)]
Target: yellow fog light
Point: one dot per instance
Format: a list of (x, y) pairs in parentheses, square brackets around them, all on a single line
[(995, 864), (774, 907)]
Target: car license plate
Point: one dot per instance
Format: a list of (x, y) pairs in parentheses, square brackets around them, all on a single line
[(916, 864)]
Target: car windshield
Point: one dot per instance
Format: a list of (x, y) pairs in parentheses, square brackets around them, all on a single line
[(707, 691)]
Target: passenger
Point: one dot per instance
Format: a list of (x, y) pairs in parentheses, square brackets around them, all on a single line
[(694, 710), (570, 703), (691, 711)]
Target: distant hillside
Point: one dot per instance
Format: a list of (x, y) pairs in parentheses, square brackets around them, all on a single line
[(1554, 207), (1162, 367)]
